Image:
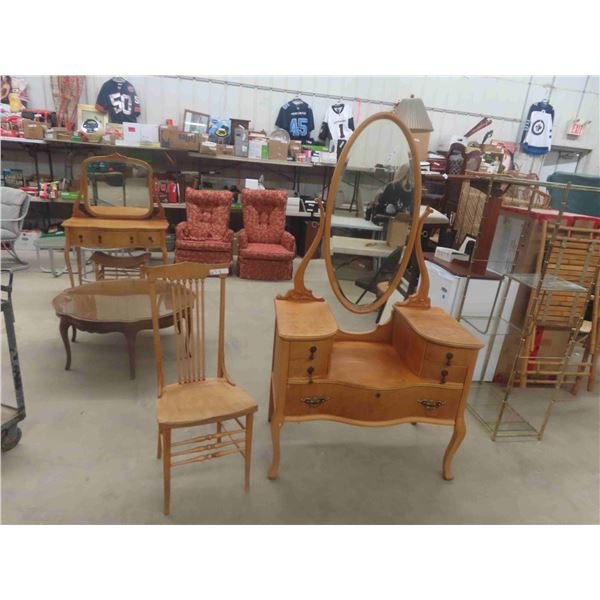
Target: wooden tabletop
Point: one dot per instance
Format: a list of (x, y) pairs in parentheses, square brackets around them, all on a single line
[(304, 320), (117, 224), (438, 327), (459, 268)]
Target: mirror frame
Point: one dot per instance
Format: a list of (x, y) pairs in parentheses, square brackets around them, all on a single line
[(335, 180), (110, 212)]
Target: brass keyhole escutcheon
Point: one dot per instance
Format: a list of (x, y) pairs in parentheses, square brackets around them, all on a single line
[(99, 239), (449, 358), (443, 374), (131, 239), (81, 238), (378, 395), (312, 351), (310, 372)]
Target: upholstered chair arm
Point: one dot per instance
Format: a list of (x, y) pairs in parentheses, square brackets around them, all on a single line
[(288, 241), (182, 231), (242, 239)]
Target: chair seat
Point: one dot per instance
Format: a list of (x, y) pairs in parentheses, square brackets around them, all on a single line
[(202, 402), (267, 252), (7, 235), (203, 245)]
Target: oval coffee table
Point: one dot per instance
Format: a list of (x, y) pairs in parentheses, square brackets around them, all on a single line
[(107, 306)]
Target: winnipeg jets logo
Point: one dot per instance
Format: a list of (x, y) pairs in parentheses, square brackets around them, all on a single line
[(538, 127)]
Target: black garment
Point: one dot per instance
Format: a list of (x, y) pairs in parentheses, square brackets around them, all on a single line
[(395, 196), (119, 98), (296, 117)]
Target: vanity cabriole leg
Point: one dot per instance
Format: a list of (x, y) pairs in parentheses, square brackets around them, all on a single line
[(460, 430), (275, 435)]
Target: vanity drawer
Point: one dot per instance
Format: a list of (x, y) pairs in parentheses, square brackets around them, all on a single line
[(150, 240), (309, 355), (358, 404), (105, 239), (442, 355), (440, 371)]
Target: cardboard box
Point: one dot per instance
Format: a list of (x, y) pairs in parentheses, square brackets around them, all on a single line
[(225, 150), (32, 130), (175, 139), (255, 148), (209, 148), (278, 150), (140, 134), (240, 142), (397, 232)]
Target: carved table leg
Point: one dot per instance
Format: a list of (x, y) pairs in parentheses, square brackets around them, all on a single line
[(271, 406), (130, 335), (460, 429), (74, 334), (68, 262), (64, 333), (275, 434)]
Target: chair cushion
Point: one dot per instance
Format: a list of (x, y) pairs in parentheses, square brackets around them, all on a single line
[(6, 235), (207, 245), (264, 215), (208, 213), (267, 252), (202, 402), (12, 201)]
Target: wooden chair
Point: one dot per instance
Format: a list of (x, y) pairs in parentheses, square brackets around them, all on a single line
[(195, 399), (107, 266)]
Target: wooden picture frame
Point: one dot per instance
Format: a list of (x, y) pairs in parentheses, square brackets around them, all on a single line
[(195, 122), (87, 112)]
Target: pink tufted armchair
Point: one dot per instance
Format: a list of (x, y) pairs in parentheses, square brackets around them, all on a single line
[(205, 237), (266, 250)]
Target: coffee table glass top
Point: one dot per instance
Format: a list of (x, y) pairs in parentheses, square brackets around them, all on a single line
[(120, 300)]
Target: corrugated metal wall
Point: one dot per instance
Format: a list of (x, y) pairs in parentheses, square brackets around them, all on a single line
[(454, 102)]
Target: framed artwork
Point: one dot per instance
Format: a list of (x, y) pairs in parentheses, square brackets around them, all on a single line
[(90, 120), (195, 122)]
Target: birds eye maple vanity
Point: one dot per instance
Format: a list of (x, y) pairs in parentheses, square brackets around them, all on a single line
[(416, 367)]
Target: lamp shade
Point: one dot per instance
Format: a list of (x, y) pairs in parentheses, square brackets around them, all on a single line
[(412, 111)]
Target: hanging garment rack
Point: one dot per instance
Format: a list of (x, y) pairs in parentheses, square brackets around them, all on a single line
[(268, 88)]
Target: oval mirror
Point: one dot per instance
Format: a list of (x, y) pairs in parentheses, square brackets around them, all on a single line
[(372, 211), (117, 187)]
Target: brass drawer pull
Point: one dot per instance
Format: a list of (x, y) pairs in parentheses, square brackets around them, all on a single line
[(314, 401), (449, 358), (443, 376), (131, 239), (80, 238), (312, 351), (310, 371), (431, 404), (99, 239)]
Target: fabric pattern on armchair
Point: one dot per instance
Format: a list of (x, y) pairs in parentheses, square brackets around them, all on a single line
[(266, 250), (205, 236)]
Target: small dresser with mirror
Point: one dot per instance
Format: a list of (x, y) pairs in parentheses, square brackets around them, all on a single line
[(414, 368), (116, 208)]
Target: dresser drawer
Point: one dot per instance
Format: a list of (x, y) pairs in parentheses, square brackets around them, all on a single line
[(440, 371), (313, 355), (357, 404), (443, 355)]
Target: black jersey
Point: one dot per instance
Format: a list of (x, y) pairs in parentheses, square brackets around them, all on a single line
[(119, 98), (296, 117)]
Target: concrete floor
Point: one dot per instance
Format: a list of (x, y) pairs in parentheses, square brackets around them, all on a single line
[(88, 449)]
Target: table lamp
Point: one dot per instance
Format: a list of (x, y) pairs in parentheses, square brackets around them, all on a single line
[(413, 112)]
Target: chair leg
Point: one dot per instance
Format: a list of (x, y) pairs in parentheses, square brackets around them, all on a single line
[(158, 446), (248, 451), (166, 436)]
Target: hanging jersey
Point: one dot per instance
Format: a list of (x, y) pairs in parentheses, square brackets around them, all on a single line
[(537, 133), (120, 100), (296, 117), (338, 123)]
